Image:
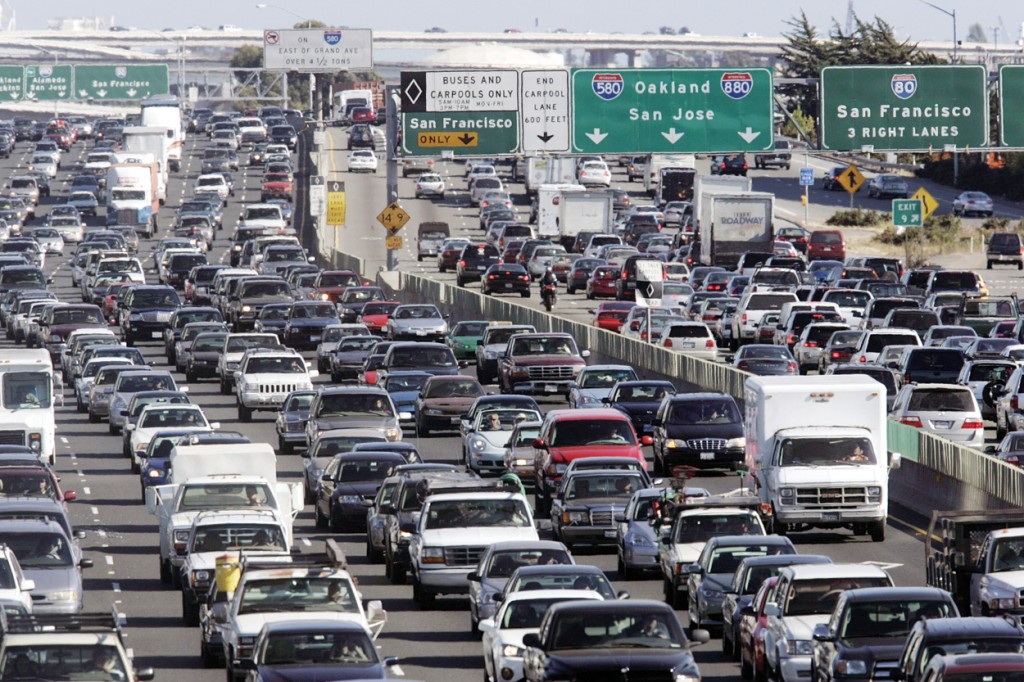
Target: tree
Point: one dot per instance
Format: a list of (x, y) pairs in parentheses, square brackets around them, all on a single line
[(976, 34), (806, 53)]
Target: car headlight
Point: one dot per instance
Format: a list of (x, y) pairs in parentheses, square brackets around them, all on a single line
[(851, 667), (433, 555), (874, 491), (35, 441), (740, 442), (587, 400), (246, 308), (246, 641), (200, 577), (1003, 603), (490, 354), (62, 595), (512, 651), (154, 473), (477, 444), (232, 365), (638, 540), (142, 446), (787, 495), (578, 517), (687, 678), (404, 535), (351, 498), (433, 412), (392, 433), (799, 647), (710, 592), (181, 535), (672, 443)]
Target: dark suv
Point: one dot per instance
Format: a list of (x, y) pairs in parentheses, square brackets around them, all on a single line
[(734, 164), (474, 261), (699, 430), (930, 365), (952, 636), (1005, 247)]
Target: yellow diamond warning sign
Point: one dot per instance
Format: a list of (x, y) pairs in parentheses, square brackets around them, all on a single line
[(393, 217), (850, 179), (447, 140)]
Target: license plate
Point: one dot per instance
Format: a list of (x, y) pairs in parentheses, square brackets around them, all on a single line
[(480, 267), (421, 332), (688, 344), (508, 285), (609, 533), (456, 420), (943, 424), (550, 388), (314, 339), (157, 335), (830, 516), (707, 455)]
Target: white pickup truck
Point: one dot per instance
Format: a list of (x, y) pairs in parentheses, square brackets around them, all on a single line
[(206, 477), (452, 533), (266, 377)]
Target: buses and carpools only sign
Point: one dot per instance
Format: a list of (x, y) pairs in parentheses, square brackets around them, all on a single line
[(318, 49), (904, 108)]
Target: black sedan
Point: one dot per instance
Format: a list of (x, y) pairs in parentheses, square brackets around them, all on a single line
[(306, 323), (347, 482), (765, 359), (640, 400), (580, 273), (506, 279)]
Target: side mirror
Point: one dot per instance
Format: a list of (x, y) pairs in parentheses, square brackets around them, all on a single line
[(27, 585), (70, 496), (85, 563), (325, 477), (584, 353), (646, 440), (243, 664), (473, 577), (620, 517), (821, 633), (700, 636), (124, 413), (622, 595), (486, 625), (375, 611), (220, 612), (531, 639), (79, 534), (214, 425), (144, 674), (695, 569), (772, 609), (895, 460), (540, 444)]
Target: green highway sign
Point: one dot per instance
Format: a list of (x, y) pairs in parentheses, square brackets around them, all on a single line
[(48, 82), (119, 81), (12, 83), (1011, 103), (904, 108), (672, 110), (907, 213), (463, 133)]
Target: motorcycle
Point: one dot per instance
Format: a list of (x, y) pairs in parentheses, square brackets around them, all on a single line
[(549, 296)]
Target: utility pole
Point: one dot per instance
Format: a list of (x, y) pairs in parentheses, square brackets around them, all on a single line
[(391, 154)]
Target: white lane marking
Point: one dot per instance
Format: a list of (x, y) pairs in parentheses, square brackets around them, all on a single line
[(306, 542), (109, 559), (63, 440), (95, 511), (397, 671), (115, 586), (102, 533), (86, 490), (81, 474)]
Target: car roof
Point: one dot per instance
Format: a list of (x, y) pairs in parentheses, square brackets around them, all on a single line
[(970, 626), (602, 413)]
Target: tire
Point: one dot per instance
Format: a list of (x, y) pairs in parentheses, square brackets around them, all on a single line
[(244, 414), (189, 611), (337, 525), (190, 376), (746, 668), (319, 519), (423, 599), (372, 555), (224, 390), (285, 447), (525, 294), (93, 418), (165, 571), (113, 429), (421, 430), (877, 531)]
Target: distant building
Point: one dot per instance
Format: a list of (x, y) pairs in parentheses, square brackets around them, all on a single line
[(80, 24)]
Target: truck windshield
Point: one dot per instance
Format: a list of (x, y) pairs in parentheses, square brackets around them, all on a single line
[(819, 596), (27, 390), (577, 432), (64, 661), (890, 619), (128, 195), (222, 496), (220, 538), (826, 451), (474, 512)]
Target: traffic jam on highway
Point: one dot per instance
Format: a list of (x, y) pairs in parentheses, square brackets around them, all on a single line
[(294, 472)]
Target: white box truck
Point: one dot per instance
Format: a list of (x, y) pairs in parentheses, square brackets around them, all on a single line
[(584, 211), (816, 452), (26, 412), (549, 211), (652, 173), (549, 170), (164, 111), (148, 145), (730, 225), (132, 196), (722, 184)]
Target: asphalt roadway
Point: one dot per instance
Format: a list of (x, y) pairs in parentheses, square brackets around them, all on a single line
[(435, 645)]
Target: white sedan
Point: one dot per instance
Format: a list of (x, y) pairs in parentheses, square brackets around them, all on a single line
[(43, 163), (159, 416), (84, 202), (595, 173), (430, 185), (362, 160), (519, 615), (977, 203)]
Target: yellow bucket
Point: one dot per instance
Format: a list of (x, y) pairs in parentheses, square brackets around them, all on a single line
[(228, 573)]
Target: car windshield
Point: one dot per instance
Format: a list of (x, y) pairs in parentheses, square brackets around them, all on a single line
[(470, 512), (318, 648), (298, 594), (455, 388), (355, 295), (39, 549), (223, 496), (238, 344), (27, 390), (309, 311), (155, 298), (363, 470), (579, 432), (275, 365), (145, 382), (265, 290), (351, 404), (605, 378), (590, 487), (224, 537), (165, 418), (712, 411), (527, 613), (592, 629), (94, 662), (826, 451), (703, 527), (417, 312), (422, 358)]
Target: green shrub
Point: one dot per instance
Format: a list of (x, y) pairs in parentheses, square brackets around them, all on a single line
[(858, 217)]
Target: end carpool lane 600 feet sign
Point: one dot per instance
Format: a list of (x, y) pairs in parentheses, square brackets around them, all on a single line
[(672, 110)]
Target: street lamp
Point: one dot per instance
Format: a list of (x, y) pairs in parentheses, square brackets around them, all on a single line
[(952, 15), (309, 24), (56, 101), (179, 42)]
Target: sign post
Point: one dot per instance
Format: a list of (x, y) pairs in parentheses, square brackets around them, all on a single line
[(544, 110), (672, 110), (806, 180), (907, 213), (467, 113), (904, 108), (335, 203), (318, 49)]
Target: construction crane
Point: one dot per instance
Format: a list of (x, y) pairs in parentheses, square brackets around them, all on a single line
[(850, 16)]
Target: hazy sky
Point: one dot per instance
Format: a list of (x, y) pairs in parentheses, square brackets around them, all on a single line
[(911, 18)]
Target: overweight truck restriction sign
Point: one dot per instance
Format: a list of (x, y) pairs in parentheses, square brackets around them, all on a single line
[(905, 108)]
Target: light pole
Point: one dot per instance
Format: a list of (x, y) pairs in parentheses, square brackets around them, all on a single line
[(309, 24), (179, 42), (952, 15), (56, 101)]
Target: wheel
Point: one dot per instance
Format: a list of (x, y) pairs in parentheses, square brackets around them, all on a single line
[(877, 531), (285, 447), (460, 282), (129, 340), (372, 555), (190, 376), (727, 646), (397, 574), (421, 430), (113, 429), (336, 523), (746, 669), (244, 414), (224, 389), (189, 610), (320, 519), (659, 465), (93, 418), (423, 599), (441, 268), (165, 571)]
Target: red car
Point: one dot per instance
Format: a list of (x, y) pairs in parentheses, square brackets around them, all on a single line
[(448, 254), (611, 315), (602, 282), (575, 434), (376, 315), (276, 186), (363, 115), (329, 284), (109, 304), (751, 636), (511, 252), (826, 244)]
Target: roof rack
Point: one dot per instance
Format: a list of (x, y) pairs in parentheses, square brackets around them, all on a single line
[(34, 623)]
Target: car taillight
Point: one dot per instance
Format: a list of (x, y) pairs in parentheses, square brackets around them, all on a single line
[(1014, 403), (835, 354), (490, 276), (862, 359), (668, 343), (792, 366), (462, 263), (911, 421), (744, 318), (810, 344), (971, 423), (710, 343), (744, 166), (790, 339), (525, 278), (742, 364)]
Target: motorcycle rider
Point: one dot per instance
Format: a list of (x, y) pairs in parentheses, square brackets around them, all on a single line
[(548, 279)]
